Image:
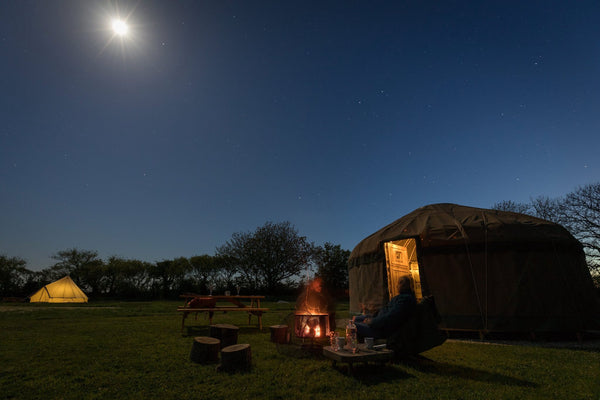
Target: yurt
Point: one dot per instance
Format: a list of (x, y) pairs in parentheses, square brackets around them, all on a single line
[(487, 270), (63, 290)]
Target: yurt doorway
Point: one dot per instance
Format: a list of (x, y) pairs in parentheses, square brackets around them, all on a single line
[(401, 259)]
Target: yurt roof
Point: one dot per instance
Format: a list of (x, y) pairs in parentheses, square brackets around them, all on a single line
[(445, 224)]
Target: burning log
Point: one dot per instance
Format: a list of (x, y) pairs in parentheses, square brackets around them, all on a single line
[(205, 350), (236, 358), (313, 326)]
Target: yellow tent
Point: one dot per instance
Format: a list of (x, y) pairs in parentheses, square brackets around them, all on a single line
[(61, 291)]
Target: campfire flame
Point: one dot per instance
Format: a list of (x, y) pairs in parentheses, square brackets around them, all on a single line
[(311, 311), (311, 325)]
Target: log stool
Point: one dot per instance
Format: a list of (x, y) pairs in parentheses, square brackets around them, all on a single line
[(205, 350), (279, 334), (226, 333), (237, 357)]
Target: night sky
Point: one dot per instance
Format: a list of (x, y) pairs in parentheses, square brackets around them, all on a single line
[(214, 117)]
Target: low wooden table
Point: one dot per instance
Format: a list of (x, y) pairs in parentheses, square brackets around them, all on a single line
[(363, 355)]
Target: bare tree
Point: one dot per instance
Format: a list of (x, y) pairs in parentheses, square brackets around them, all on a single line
[(582, 218), (509, 205), (578, 211), (541, 207), (549, 209)]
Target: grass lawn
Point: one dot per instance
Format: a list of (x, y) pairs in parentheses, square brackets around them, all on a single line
[(135, 350)]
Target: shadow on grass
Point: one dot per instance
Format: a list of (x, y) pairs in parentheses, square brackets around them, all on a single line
[(373, 374), (366, 373), (193, 331), (296, 351), (253, 330), (204, 330), (429, 366)]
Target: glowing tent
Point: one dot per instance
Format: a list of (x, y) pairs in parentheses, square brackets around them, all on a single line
[(61, 291), (488, 270)]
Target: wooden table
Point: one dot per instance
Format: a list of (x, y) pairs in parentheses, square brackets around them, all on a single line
[(238, 304), (363, 355)]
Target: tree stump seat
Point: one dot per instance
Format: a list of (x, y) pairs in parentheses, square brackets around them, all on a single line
[(279, 334), (205, 350), (226, 333), (237, 357)]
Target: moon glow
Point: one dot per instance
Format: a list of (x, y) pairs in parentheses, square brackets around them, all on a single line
[(119, 27)]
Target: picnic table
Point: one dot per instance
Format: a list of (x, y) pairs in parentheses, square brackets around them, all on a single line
[(211, 304)]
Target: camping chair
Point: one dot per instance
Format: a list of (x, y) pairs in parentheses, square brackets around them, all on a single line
[(420, 332)]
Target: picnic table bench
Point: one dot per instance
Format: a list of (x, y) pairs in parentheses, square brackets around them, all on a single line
[(209, 305)]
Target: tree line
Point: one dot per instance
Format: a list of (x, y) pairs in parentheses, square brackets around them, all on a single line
[(272, 260), (578, 211)]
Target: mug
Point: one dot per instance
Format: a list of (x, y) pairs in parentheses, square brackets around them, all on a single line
[(369, 342)]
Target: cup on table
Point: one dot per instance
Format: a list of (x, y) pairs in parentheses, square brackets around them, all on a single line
[(227, 293), (341, 341), (369, 342)]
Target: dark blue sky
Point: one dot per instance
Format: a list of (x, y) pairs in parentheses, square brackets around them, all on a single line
[(215, 117)]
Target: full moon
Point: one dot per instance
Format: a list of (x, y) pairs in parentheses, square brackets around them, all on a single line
[(119, 27)]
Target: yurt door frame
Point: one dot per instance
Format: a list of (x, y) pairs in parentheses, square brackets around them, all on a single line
[(401, 258)]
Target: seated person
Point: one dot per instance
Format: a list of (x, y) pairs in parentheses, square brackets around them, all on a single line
[(390, 317)]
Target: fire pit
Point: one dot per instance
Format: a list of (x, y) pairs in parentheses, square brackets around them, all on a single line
[(312, 329), (312, 320)]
